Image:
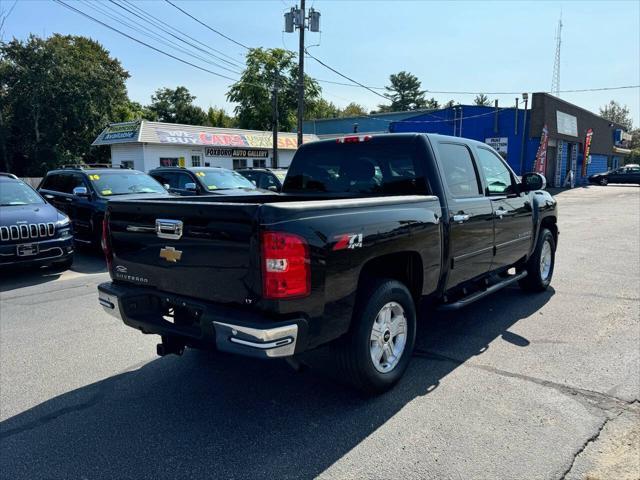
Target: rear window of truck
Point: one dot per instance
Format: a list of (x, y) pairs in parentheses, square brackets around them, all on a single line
[(373, 167)]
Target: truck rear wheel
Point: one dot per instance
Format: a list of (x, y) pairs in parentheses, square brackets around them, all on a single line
[(377, 350), (540, 266)]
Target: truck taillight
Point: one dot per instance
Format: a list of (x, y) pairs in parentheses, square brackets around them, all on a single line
[(105, 243), (354, 139), (285, 265)]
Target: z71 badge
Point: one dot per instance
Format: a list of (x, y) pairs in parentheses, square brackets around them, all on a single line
[(348, 241)]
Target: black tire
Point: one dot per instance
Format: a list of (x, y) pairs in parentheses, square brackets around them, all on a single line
[(354, 363), (538, 279), (604, 181)]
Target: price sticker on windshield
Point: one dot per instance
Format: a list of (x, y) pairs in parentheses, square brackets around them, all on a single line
[(94, 177)]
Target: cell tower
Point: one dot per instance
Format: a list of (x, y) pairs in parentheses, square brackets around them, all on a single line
[(555, 80)]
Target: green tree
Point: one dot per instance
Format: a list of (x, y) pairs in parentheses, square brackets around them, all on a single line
[(404, 92), (450, 103), (176, 106), (130, 111), (57, 95), (482, 100), (218, 117), (353, 110), (322, 109), (252, 92), (618, 114)]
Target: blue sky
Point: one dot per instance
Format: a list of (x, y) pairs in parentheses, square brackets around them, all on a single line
[(451, 46)]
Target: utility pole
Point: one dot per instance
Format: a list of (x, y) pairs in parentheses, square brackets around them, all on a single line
[(301, 27), (525, 97), (274, 160), (296, 18)]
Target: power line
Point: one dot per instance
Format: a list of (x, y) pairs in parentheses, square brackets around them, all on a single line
[(230, 60), (344, 76), (150, 33), (143, 43), (207, 26)]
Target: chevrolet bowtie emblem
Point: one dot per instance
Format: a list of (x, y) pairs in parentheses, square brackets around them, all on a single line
[(170, 254)]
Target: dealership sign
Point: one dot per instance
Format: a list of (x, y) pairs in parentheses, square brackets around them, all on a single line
[(235, 152), (121, 131), (500, 144), (567, 124), (224, 139)]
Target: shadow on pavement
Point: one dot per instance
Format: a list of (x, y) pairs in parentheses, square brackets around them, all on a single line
[(84, 262), (216, 416)]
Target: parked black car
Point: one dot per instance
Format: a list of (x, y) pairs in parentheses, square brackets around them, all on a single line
[(626, 174), (82, 192), (364, 229), (203, 181), (32, 232), (265, 178)]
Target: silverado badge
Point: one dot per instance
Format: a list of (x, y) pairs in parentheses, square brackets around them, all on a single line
[(170, 254)]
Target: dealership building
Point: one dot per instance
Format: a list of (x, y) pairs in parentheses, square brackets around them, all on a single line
[(145, 145), (516, 133), (562, 128)]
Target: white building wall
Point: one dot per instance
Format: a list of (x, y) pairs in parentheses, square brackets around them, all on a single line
[(146, 157), (128, 152)]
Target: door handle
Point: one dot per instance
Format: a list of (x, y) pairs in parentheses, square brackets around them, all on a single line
[(49, 197), (460, 217), (68, 199), (501, 212)]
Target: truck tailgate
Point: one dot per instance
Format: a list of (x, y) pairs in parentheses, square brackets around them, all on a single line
[(210, 259)]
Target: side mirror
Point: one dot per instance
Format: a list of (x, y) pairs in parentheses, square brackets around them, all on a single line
[(273, 188), (80, 192), (191, 187), (166, 186), (533, 181)]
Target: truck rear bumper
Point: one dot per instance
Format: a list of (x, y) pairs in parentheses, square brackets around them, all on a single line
[(203, 324)]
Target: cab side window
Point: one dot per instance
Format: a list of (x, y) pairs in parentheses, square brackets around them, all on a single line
[(52, 182), (459, 170), (182, 180), (496, 173)]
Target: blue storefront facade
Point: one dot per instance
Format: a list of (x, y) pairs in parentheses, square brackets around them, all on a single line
[(363, 124), (502, 128)]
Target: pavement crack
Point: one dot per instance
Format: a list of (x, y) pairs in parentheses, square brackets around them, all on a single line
[(600, 400), (586, 443), (44, 419)]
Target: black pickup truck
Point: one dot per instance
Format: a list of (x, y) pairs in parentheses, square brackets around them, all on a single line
[(366, 227)]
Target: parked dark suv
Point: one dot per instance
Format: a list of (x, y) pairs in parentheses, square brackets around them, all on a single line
[(203, 181), (82, 192), (32, 232), (266, 178)]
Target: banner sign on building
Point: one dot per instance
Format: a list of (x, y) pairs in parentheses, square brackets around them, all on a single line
[(499, 144), (224, 139), (121, 131), (235, 152), (540, 165), (567, 124), (587, 151)]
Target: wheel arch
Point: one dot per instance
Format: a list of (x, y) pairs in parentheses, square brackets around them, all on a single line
[(405, 267)]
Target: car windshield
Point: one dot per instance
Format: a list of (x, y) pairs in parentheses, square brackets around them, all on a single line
[(123, 183), (223, 179), (18, 193)]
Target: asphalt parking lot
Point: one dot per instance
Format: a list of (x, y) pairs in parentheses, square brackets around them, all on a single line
[(543, 386)]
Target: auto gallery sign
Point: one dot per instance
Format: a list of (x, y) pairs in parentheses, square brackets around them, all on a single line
[(224, 139), (235, 152)]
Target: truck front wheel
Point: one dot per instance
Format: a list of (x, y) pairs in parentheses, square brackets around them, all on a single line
[(540, 266), (377, 350)]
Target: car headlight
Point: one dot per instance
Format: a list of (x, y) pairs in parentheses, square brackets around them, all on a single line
[(63, 223)]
